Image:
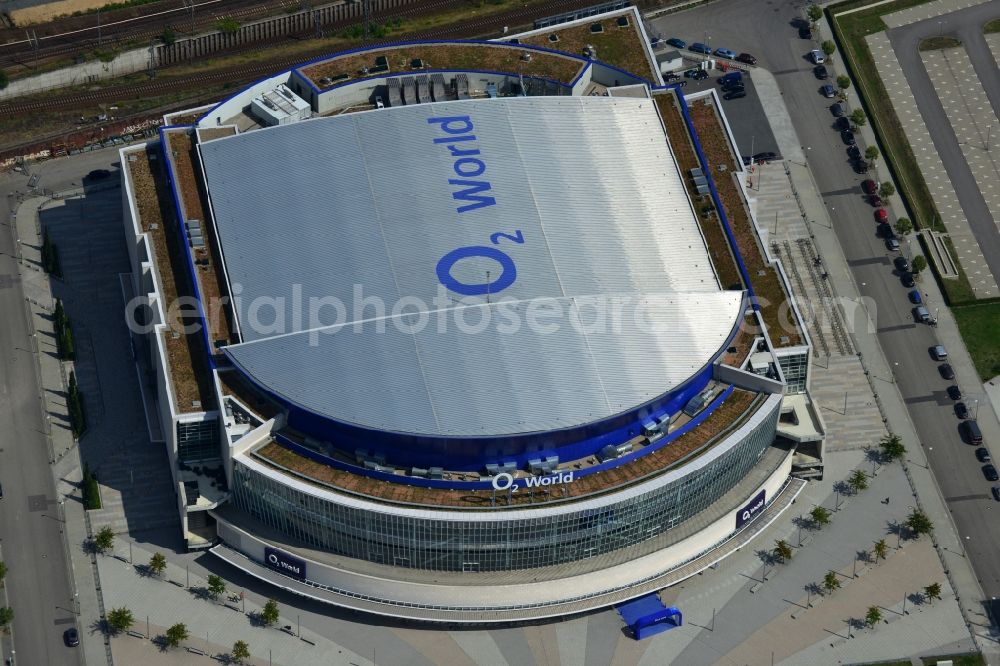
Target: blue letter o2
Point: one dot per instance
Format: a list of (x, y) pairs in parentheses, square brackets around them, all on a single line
[(507, 276)]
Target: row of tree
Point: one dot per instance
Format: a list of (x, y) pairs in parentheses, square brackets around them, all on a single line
[(74, 403), (50, 256), (64, 333)]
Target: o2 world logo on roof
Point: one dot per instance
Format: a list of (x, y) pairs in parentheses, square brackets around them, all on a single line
[(470, 187), (506, 481)]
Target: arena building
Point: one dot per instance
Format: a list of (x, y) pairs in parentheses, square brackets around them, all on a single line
[(435, 330)]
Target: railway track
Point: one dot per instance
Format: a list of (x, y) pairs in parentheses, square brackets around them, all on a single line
[(246, 74)]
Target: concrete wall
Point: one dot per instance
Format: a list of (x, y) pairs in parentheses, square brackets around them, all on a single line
[(747, 380), (127, 62)]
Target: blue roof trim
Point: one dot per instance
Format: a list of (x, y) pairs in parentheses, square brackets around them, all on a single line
[(715, 198), (184, 240), (443, 484)]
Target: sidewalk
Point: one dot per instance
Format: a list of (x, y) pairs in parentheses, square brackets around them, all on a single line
[(949, 547), (63, 451)]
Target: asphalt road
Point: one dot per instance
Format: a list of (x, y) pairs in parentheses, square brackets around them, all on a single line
[(767, 30), (38, 583), (967, 26)]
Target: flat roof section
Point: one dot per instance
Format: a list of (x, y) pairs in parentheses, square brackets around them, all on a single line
[(575, 201), (417, 58)]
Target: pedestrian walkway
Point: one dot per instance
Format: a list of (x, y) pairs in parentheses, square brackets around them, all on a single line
[(926, 11), (971, 117), (968, 252)]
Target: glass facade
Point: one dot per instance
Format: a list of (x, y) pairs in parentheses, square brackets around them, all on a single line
[(494, 545), (795, 367), (198, 440)]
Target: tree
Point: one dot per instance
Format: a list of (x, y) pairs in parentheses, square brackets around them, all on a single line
[(239, 652), (782, 550), (91, 491), (157, 563), (873, 616), (886, 189), (227, 26), (828, 47), (933, 591), (843, 82), (815, 13), (892, 447), (104, 539), (820, 516), (858, 481), (880, 549), (830, 581), (904, 226), (176, 634), (3, 79), (919, 523), (120, 619), (216, 585), (169, 36), (858, 117), (919, 263), (270, 613), (74, 402), (6, 615)]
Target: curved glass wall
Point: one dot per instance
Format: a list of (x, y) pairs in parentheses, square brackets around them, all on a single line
[(450, 545)]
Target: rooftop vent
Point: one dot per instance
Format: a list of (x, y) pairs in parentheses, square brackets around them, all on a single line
[(596, 28)]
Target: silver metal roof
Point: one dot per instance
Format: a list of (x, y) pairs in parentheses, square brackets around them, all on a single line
[(361, 206)]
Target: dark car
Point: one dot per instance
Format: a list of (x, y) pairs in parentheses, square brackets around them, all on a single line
[(901, 264), (765, 157), (735, 94), (907, 280), (854, 153), (733, 87), (677, 43), (885, 231), (875, 200), (98, 174), (698, 47), (820, 72), (828, 91), (996, 493), (747, 160), (961, 411), (838, 110), (946, 371), (747, 58), (917, 299), (982, 455), (990, 472), (954, 392), (671, 77), (869, 186), (71, 637), (859, 166), (842, 124), (847, 136), (696, 74)]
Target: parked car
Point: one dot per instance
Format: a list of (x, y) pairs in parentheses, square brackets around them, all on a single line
[(962, 412), (854, 153), (805, 31), (996, 493), (902, 265), (838, 110), (725, 53), (885, 231), (947, 371), (670, 77), (734, 87), (747, 160), (677, 43), (907, 279), (938, 351), (859, 166), (892, 244), (954, 392), (747, 58), (730, 78), (921, 314), (821, 73), (847, 136), (842, 124), (971, 432), (828, 91), (990, 472), (696, 74), (71, 637), (698, 47), (765, 157), (875, 200), (817, 57), (982, 455), (869, 186), (735, 94), (881, 216), (98, 174)]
